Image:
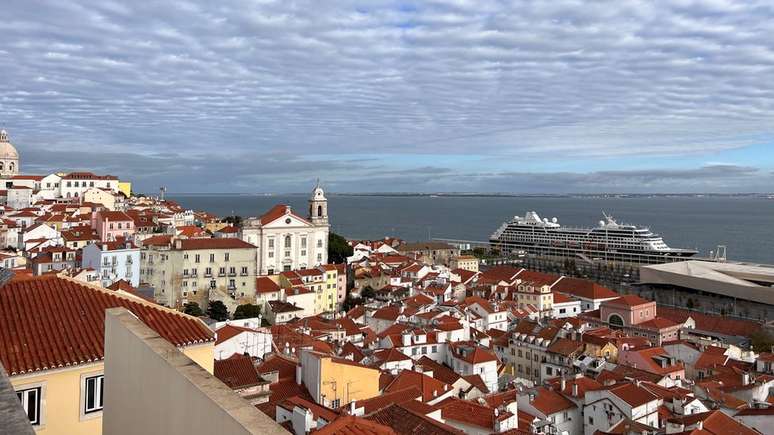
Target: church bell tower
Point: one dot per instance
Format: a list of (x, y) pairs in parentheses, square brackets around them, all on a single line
[(318, 206)]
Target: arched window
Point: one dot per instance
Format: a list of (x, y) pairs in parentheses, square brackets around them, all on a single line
[(319, 211), (2, 166), (287, 241), (10, 166), (615, 320)]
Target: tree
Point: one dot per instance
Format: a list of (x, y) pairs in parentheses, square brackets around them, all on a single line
[(233, 220), (338, 248), (218, 311), (762, 341), (247, 311), (367, 292), (193, 309), (351, 302)]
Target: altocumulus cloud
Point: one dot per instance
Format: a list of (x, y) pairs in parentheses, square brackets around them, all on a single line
[(267, 95)]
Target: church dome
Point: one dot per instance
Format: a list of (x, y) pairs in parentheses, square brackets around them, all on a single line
[(7, 151)]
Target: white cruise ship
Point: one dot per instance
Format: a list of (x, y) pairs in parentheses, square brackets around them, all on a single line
[(610, 240)]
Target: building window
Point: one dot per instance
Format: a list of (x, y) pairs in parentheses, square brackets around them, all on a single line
[(319, 243), (226, 256), (212, 258), (197, 258), (30, 402), (94, 387), (271, 243), (336, 403), (287, 241)]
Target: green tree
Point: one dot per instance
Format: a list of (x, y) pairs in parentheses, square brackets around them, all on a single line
[(233, 220), (338, 248), (218, 311), (247, 311), (193, 309), (367, 292), (351, 302), (762, 341)]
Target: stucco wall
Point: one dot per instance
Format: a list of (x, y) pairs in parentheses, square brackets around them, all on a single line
[(61, 400), (155, 388)]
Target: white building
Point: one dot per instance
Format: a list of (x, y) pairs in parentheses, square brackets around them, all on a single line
[(115, 261), (231, 339), (74, 184), (606, 408), (287, 241), (19, 197), (468, 359)]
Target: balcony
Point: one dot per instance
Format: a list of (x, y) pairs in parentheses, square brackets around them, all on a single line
[(207, 275), (232, 274)]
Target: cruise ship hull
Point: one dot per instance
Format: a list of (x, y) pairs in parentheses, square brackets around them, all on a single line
[(608, 242)]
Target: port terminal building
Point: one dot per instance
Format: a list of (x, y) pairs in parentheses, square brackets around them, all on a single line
[(738, 281)]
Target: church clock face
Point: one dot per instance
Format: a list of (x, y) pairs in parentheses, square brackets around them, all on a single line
[(287, 221)]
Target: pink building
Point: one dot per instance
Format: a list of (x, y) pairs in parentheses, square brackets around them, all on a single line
[(635, 316), (111, 225)]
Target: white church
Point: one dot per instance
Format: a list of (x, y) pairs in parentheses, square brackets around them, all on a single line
[(288, 241)]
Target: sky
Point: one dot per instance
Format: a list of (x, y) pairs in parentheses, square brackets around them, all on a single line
[(559, 96)]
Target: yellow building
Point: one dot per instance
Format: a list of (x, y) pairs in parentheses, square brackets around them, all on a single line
[(322, 280), (125, 187), (335, 382), (100, 196), (465, 262), (55, 357)]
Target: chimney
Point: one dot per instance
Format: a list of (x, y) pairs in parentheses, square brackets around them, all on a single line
[(531, 396), (562, 384), (575, 389), (352, 408), (746, 379), (700, 425)]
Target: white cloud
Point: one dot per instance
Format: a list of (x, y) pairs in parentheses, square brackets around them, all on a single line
[(501, 79)]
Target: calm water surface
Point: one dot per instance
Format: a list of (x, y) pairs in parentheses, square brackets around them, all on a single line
[(745, 225)]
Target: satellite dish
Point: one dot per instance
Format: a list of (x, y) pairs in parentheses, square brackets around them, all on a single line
[(554, 220), (601, 223)]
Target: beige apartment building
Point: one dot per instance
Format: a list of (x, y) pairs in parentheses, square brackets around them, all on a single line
[(199, 270)]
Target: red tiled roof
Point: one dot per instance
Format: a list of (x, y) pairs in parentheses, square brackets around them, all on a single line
[(406, 421), (51, 321), (384, 400), (216, 243), (264, 284), (431, 388), (714, 423), (228, 331), (711, 323), (276, 362), (629, 301), (583, 288), (350, 425), (467, 412), (277, 212), (633, 394), (549, 401), (237, 371)]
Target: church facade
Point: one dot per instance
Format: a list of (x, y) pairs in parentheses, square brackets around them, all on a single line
[(9, 157), (286, 240)]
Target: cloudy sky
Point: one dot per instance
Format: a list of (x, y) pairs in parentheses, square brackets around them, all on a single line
[(460, 95)]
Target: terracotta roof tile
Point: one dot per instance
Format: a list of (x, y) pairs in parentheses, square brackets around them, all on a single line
[(405, 421), (51, 321), (237, 371)]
